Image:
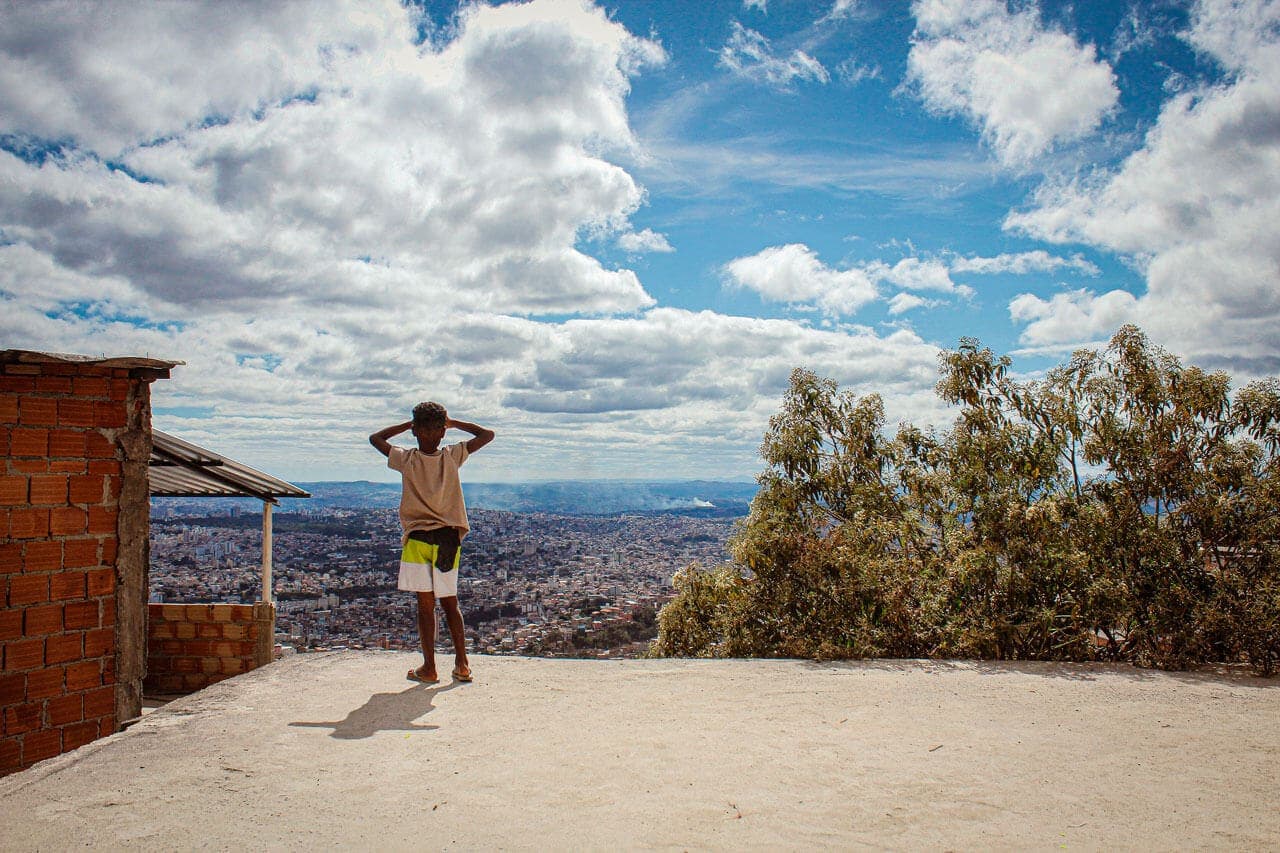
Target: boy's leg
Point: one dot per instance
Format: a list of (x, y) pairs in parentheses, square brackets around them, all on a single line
[(427, 632), (453, 616)]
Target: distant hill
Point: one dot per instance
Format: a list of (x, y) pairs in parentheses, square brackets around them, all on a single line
[(566, 497)]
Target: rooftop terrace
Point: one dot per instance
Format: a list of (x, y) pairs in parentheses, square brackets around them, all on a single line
[(339, 750)]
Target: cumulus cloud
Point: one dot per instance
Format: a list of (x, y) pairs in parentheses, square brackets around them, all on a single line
[(749, 54), (793, 274), (1027, 86), (360, 191), (647, 240), (918, 274), (904, 302), (1076, 316), (1195, 206)]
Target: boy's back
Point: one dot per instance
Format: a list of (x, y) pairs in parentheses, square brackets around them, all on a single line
[(430, 489)]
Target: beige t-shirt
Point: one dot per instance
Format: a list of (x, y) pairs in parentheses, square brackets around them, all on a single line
[(430, 491)]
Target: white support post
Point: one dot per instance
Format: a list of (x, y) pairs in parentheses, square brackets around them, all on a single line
[(266, 552)]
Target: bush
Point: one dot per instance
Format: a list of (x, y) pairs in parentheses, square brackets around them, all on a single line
[(1124, 507)]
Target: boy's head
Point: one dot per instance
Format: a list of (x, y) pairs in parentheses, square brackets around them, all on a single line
[(429, 417)]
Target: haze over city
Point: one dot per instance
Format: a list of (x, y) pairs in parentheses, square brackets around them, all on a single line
[(610, 231)]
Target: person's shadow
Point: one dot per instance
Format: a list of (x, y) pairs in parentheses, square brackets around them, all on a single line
[(385, 712)]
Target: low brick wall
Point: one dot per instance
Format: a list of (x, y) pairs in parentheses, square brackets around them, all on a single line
[(190, 646)]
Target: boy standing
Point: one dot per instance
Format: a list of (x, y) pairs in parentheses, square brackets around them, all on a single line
[(433, 517)]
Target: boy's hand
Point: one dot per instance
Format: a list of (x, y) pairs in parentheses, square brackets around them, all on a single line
[(481, 435)]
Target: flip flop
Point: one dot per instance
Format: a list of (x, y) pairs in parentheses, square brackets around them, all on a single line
[(458, 676), (413, 676)]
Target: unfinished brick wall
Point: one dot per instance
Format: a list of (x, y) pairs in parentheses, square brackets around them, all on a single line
[(190, 646), (73, 497)]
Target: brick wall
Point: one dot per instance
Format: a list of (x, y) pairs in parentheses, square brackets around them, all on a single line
[(68, 430), (190, 646)]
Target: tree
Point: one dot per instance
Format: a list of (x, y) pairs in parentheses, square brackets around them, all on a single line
[(1122, 507)]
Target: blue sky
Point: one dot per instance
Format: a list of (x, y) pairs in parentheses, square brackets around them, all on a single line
[(610, 231)]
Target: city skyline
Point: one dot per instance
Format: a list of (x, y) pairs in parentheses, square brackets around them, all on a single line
[(609, 231)]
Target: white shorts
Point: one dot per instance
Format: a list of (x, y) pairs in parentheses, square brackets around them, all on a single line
[(419, 571)]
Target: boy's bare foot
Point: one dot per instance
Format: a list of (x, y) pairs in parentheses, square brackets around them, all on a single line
[(424, 674), (462, 672)]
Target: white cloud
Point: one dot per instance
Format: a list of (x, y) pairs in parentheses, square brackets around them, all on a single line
[(1028, 87), (918, 274), (360, 193), (1071, 318), (647, 240), (1196, 205), (793, 274), (1021, 263), (761, 6), (905, 302), (748, 54), (852, 72)]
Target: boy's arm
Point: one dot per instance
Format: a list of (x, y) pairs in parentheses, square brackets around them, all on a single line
[(482, 436), (379, 438)]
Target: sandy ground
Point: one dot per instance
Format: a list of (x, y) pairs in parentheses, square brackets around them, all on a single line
[(337, 750)]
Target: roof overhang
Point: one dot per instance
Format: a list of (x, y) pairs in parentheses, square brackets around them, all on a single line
[(181, 469)]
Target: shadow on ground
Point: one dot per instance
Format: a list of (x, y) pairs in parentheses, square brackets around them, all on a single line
[(385, 712)]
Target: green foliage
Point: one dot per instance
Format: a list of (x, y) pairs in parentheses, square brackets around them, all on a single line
[(1123, 507)]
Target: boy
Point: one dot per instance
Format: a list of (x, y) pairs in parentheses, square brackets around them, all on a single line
[(434, 519)]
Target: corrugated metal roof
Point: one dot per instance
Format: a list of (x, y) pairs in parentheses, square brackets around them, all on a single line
[(182, 469)]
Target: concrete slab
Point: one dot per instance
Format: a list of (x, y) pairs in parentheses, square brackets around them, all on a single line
[(338, 750)]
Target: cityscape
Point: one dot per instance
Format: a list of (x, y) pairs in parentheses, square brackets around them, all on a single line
[(532, 583)]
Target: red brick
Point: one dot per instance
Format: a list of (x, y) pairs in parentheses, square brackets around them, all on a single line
[(108, 415), (44, 683), (66, 466), (99, 702), (48, 489), (22, 718), (44, 556), (28, 589), (103, 466), (100, 582), (28, 466), (38, 621), (37, 746), (17, 383), (98, 446), (109, 551), (102, 519), (82, 676), (99, 642), (208, 631), (10, 624), (13, 491), (29, 523), (66, 442), (81, 614), (119, 389), (78, 735), (107, 725), (10, 557), (80, 553), (66, 709), (108, 612), (4, 522), (23, 369), (8, 409), (38, 411), (55, 384), (67, 521), (65, 585), (24, 654), (13, 687), (233, 666), (10, 755), (61, 369), (29, 442), (90, 386), (75, 413), (62, 648), (87, 489)]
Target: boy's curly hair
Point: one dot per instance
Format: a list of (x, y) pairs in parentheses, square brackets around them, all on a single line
[(430, 415)]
